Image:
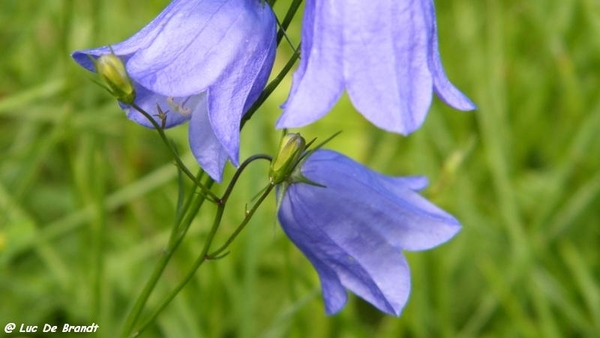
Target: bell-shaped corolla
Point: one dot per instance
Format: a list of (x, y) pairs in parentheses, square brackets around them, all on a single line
[(384, 53), (353, 225), (205, 61)]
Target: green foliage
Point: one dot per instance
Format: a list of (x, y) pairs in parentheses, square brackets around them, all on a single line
[(87, 197)]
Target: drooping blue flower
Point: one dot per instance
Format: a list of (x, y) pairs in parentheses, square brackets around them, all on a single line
[(384, 53), (353, 229), (201, 60)]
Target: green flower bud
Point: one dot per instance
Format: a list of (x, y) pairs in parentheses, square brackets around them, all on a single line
[(112, 70), (290, 151)]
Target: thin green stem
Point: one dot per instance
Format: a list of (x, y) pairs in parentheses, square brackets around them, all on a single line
[(238, 172), (197, 263), (270, 88), (163, 261), (204, 256), (242, 225), (289, 16), (215, 226), (181, 198), (185, 219), (286, 69), (211, 196), (184, 209)]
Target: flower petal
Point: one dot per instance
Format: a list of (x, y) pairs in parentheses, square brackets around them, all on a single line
[(385, 53), (334, 293), (197, 48), (136, 42), (205, 145), (385, 60), (442, 86), (361, 196), (345, 259), (239, 86), (320, 64)]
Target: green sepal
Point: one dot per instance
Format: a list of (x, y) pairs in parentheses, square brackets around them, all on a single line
[(299, 178)]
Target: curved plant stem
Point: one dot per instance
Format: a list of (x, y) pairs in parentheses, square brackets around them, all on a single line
[(177, 234), (206, 247), (215, 254)]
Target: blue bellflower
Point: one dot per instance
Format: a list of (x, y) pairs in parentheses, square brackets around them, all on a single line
[(353, 229), (206, 61), (384, 53)]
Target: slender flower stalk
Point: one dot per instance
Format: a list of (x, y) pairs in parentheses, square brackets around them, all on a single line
[(203, 256), (177, 234)]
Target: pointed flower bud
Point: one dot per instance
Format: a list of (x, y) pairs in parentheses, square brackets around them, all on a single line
[(112, 71), (290, 151)]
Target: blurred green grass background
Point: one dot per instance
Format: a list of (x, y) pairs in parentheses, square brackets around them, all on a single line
[(87, 197)]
